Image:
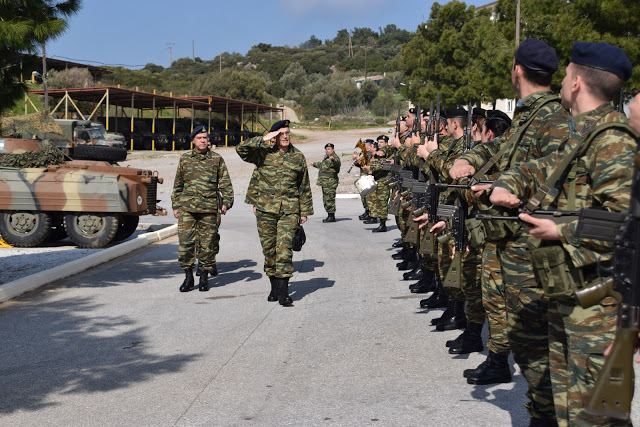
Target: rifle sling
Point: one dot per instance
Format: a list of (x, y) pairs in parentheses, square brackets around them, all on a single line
[(572, 160), (517, 137)]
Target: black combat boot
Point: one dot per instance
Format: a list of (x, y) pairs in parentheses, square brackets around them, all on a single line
[(382, 228), (438, 299), (457, 321), (188, 280), (497, 371), (330, 218), (398, 244), (203, 286), (410, 262), (371, 220), (364, 216), (283, 292), (415, 274), (471, 340), (214, 271), (198, 271), (455, 342), (543, 422), (428, 283), (468, 373), (401, 254), (273, 296), (447, 314)]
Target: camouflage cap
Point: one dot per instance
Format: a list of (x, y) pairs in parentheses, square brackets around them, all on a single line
[(198, 129)]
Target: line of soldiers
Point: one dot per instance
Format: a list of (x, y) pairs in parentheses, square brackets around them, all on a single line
[(487, 210)]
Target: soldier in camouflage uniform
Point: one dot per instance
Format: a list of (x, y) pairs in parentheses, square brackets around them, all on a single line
[(538, 128), (600, 177), (281, 198), (201, 179), (328, 180), (381, 195)]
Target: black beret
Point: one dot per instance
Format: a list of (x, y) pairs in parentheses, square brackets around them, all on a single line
[(498, 115), (412, 110), (453, 113), (403, 118), (198, 129), (383, 137), (328, 144), (602, 56), (537, 55), (478, 112), (369, 141), (443, 115), (279, 125)]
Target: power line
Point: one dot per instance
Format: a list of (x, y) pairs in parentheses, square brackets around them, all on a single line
[(96, 62)]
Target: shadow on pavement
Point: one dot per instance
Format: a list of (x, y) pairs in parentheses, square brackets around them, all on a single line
[(504, 399), (302, 288), (307, 265), (61, 347)]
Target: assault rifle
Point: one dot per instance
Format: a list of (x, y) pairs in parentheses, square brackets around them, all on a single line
[(404, 190), (458, 215), (428, 241), (419, 195), (470, 183), (613, 391), (467, 130), (559, 217)]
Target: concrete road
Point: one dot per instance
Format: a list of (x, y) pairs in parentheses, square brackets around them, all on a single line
[(119, 345)]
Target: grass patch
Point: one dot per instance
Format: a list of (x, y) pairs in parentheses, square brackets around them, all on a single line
[(298, 137)]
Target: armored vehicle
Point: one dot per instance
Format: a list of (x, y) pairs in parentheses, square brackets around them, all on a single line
[(91, 202)]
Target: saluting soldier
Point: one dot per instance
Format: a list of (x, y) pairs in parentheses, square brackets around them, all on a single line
[(202, 191), (328, 180), (281, 198)]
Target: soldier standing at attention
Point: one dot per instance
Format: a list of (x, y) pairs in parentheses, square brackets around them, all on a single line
[(597, 174), (282, 200), (201, 179), (328, 180)]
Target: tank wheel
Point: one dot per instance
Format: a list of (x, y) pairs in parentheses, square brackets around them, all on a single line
[(91, 230), (25, 229), (126, 227)]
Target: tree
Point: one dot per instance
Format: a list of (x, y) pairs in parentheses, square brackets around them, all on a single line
[(47, 19), (313, 42), (369, 91), (72, 77), (294, 78)]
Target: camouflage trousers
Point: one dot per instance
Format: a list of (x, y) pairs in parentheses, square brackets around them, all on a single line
[(527, 329), (329, 198), (472, 289), (578, 338), (493, 300), (380, 202), (276, 233), (198, 230)]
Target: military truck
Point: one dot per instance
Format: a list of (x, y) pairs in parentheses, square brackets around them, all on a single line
[(91, 202), (89, 141)]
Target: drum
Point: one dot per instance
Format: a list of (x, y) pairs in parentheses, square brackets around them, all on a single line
[(366, 185)]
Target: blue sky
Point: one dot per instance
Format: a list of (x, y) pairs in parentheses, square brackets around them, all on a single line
[(133, 33)]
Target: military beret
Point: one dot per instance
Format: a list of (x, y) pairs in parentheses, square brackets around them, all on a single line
[(602, 56), (279, 125), (403, 118), (443, 115), (453, 113), (385, 138), (369, 141), (537, 55), (198, 129), (498, 115), (328, 144), (412, 110), (478, 112)]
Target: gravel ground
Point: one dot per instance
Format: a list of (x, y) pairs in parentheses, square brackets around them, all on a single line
[(20, 262)]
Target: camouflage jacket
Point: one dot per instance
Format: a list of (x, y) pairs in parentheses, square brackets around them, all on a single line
[(202, 182), (441, 159), (603, 179), (252, 190), (543, 136), (329, 169), (282, 182)]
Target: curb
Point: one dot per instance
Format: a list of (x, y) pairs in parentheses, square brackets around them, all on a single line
[(13, 289)]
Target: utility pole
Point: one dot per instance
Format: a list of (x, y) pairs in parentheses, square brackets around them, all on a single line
[(170, 53), (350, 47), (220, 56), (518, 24)]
